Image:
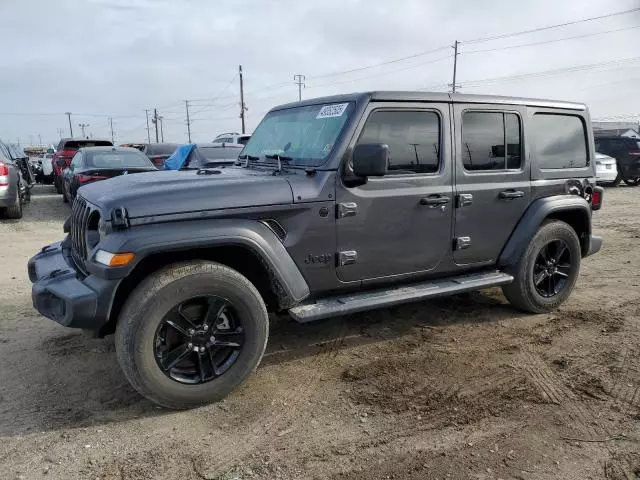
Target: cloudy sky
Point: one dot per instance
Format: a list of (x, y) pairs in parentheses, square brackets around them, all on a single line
[(116, 58)]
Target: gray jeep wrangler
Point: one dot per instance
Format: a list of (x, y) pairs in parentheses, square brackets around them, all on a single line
[(338, 205)]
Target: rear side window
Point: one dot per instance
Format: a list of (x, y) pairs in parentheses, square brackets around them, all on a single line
[(560, 141), (491, 141), (413, 138)]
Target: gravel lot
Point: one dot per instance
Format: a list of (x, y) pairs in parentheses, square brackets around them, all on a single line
[(463, 387)]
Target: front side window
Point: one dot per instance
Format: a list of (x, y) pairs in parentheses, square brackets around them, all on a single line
[(560, 141), (491, 141), (413, 138), (305, 135)]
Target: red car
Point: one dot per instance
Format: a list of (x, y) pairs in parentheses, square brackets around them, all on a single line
[(65, 152)]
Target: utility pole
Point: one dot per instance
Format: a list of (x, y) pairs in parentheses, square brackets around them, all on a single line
[(299, 80), (111, 125), (186, 106), (243, 107), (18, 142), (83, 126), (146, 112), (68, 114), (160, 119), (39, 140), (154, 120), (455, 65)]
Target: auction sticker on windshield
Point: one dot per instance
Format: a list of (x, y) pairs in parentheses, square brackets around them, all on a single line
[(335, 110)]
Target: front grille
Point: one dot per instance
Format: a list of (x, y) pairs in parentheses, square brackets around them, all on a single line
[(80, 214)]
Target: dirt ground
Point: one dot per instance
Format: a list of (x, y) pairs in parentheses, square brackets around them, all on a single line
[(463, 387)]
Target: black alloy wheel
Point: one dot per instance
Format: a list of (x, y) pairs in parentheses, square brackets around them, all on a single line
[(552, 268), (198, 340)]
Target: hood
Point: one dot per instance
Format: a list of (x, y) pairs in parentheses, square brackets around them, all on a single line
[(171, 192)]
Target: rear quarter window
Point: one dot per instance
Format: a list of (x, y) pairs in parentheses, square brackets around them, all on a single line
[(559, 141)]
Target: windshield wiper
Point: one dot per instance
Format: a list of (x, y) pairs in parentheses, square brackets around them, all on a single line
[(282, 158), (279, 159)]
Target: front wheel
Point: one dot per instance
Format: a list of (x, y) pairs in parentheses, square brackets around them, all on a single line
[(14, 212), (191, 333), (547, 271)]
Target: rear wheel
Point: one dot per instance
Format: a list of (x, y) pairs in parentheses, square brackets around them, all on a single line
[(65, 199), (632, 182), (191, 333), (15, 210), (547, 271)]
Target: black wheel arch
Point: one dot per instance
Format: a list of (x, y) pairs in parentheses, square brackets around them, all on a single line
[(248, 247), (571, 209)]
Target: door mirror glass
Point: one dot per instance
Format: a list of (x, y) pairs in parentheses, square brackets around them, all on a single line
[(370, 159)]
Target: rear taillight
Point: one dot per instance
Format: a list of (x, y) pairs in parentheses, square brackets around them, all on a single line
[(4, 175), (596, 198), (90, 178)]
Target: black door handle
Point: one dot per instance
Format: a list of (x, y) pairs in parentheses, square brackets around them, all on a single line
[(434, 200), (509, 194)]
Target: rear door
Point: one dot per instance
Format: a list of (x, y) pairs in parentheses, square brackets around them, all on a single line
[(492, 180)]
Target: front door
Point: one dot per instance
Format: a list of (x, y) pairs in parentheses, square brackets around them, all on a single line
[(492, 185), (399, 224)]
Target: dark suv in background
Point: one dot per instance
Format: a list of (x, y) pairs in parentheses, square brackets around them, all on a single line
[(342, 204), (626, 151), (67, 148)]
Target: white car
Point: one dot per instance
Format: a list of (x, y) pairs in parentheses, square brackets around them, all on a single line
[(234, 138), (606, 169)]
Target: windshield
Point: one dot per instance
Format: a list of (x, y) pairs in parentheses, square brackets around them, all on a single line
[(304, 134), (117, 159)]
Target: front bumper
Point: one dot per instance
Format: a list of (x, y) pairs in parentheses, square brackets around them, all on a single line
[(61, 293)]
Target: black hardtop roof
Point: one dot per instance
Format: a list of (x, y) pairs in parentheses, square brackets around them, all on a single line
[(417, 96)]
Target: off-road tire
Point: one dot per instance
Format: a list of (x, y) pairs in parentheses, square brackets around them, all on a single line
[(522, 292), (154, 297), (14, 212)]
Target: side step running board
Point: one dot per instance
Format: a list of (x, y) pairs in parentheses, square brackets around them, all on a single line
[(370, 300)]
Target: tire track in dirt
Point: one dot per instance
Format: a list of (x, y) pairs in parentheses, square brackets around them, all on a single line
[(585, 421)]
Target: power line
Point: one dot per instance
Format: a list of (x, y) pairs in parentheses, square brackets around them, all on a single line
[(435, 60), (549, 27), (548, 41), (552, 72), (388, 62)]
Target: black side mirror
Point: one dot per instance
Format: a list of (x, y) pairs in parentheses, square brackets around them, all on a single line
[(370, 160)]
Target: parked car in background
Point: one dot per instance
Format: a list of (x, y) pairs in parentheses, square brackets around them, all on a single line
[(159, 152), (92, 164), (67, 148), (22, 160), (606, 169), (626, 151), (238, 138), (46, 163), (203, 155), (13, 188)]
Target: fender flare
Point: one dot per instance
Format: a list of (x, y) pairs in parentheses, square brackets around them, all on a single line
[(533, 217), (176, 236)]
